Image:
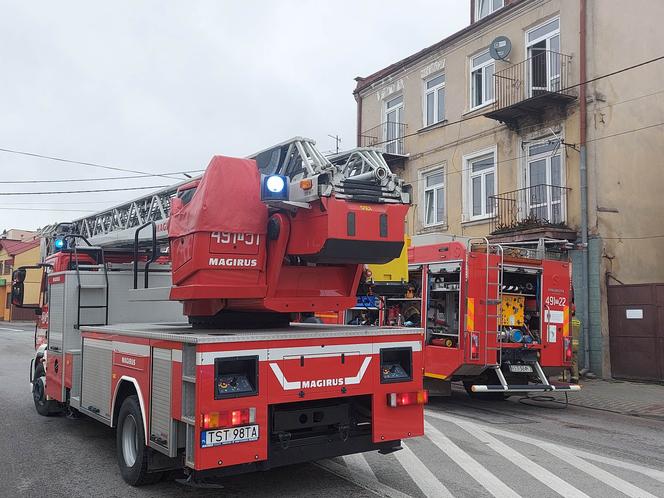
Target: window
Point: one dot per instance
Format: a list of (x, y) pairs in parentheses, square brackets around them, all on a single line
[(543, 47), (485, 7), (434, 197), (544, 179), (394, 128), (482, 67), (480, 184), (434, 100)]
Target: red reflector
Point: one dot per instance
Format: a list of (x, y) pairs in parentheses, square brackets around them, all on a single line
[(406, 399), (567, 347), (474, 346)]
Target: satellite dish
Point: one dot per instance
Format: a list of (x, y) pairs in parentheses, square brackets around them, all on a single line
[(500, 48)]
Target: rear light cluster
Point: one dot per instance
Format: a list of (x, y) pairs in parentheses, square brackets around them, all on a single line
[(567, 348), (230, 418), (474, 346), (406, 399)]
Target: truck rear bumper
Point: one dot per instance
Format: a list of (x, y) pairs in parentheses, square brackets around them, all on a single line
[(279, 457), (524, 388)]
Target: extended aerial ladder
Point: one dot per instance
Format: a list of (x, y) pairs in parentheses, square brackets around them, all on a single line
[(350, 174)]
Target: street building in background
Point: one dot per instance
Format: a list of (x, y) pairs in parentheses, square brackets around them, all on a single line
[(17, 248), (533, 127)]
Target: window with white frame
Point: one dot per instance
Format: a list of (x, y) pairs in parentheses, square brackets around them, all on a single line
[(485, 7), (433, 182), (480, 184), (482, 67), (394, 128), (543, 48), (546, 193), (434, 100)]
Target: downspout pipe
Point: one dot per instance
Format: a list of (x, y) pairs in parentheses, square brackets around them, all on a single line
[(583, 187), (358, 99)]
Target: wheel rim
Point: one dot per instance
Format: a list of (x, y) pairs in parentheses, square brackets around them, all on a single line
[(129, 440)]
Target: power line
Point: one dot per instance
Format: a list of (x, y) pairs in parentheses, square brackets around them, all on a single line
[(69, 180), (46, 209), (86, 191), (83, 163), (592, 80), (644, 237)]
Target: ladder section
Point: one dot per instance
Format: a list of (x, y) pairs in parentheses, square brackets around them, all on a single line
[(92, 291), (493, 293)]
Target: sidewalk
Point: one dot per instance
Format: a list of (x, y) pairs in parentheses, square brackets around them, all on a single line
[(629, 398)]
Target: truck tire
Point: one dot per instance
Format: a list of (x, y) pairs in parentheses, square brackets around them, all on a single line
[(45, 407), (132, 453)]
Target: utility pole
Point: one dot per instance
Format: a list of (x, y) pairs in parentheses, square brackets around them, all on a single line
[(337, 141)]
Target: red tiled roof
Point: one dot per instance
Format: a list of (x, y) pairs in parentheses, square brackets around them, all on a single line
[(14, 247)]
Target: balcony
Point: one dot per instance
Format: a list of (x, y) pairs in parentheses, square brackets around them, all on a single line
[(388, 137), (531, 213), (531, 87)]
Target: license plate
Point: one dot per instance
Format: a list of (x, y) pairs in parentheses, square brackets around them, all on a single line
[(521, 368), (232, 435)]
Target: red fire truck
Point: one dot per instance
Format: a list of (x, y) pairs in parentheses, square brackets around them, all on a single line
[(238, 388), (496, 317)]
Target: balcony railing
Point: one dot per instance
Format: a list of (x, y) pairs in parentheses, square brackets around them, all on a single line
[(387, 136), (538, 206), (530, 85)]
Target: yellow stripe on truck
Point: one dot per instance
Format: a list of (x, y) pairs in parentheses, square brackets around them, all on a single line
[(470, 320), (566, 321)]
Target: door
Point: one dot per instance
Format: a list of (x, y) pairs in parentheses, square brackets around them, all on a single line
[(393, 125), (544, 67), (545, 199), (636, 331)]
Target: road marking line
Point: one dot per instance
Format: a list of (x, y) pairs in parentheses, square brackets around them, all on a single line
[(360, 480), (596, 472), (475, 469), (658, 475), (14, 330), (522, 462), (420, 474), (358, 463)]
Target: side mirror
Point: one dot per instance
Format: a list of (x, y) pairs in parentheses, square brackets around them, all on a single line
[(18, 279)]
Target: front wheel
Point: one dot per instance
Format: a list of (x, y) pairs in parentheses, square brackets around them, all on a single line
[(45, 407), (131, 450)]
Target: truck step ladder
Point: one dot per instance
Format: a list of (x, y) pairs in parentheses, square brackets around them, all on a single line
[(543, 386)]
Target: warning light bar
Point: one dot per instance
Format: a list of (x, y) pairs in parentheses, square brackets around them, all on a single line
[(406, 399)]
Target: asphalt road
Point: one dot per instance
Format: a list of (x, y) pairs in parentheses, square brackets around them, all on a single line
[(472, 449)]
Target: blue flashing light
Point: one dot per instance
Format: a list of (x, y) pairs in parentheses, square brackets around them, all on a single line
[(59, 244), (274, 188)]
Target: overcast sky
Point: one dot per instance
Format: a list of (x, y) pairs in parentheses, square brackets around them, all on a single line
[(163, 86)]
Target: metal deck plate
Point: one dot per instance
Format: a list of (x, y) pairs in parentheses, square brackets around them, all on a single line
[(182, 332)]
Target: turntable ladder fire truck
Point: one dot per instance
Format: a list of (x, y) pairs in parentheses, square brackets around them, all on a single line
[(236, 389), (496, 317)]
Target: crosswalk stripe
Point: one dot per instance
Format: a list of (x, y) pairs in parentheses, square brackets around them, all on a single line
[(475, 469), (420, 474), (658, 475), (358, 463), (596, 472), (361, 480), (523, 463)]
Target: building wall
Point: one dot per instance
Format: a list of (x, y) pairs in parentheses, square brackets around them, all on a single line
[(5, 283), (624, 166), (446, 145)]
